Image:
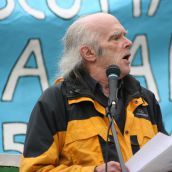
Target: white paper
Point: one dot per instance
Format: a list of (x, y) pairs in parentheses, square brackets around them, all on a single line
[(10, 160), (155, 156)]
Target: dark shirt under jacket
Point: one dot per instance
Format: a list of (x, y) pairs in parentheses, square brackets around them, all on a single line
[(96, 89)]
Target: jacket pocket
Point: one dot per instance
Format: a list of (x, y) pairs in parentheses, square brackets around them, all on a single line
[(144, 131), (141, 132), (82, 143)]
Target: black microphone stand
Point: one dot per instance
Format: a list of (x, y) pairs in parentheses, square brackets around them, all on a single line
[(110, 112)]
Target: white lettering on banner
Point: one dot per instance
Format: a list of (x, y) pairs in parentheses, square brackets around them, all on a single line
[(64, 13), (20, 70), (171, 71), (6, 11), (104, 5), (37, 14), (71, 12), (152, 8), (145, 69), (136, 8), (10, 131), (52, 4)]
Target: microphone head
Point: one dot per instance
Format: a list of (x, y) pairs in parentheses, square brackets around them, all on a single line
[(113, 70)]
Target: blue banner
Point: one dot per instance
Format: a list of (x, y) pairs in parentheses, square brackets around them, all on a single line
[(31, 35)]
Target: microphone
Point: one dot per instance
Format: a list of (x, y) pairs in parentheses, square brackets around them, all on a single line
[(113, 73)]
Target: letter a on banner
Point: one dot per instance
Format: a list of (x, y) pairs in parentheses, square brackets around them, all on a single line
[(145, 68), (20, 69)]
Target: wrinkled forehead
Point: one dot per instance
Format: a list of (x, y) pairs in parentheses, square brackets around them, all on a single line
[(101, 24), (107, 27)]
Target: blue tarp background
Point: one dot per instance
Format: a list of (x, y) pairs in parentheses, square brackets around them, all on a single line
[(31, 44)]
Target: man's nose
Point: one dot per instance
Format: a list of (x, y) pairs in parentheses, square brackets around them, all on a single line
[(127, 43)]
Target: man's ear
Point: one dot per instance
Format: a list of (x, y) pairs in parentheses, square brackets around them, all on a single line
[(88, 53)]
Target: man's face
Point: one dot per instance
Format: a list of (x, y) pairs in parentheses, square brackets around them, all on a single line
[(115, 48)]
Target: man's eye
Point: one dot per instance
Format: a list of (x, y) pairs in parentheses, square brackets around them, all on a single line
[(116, 37)]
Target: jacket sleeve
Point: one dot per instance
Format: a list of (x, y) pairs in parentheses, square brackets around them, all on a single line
[(154, 110), (46, 135), (158, 117)]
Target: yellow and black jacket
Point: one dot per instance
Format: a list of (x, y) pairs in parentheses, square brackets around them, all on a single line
[(68, 127)]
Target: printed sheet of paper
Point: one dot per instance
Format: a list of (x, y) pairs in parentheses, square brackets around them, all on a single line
[(155, 156)]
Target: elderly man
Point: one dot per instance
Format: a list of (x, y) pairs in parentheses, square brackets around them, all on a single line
[(67, 131)]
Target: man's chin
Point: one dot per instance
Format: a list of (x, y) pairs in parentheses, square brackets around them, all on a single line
[(124, 73)]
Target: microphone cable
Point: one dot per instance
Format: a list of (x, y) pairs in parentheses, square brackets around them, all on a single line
[(107, 146)]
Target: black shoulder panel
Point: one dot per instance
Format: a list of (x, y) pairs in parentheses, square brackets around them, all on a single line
[(47, 118)]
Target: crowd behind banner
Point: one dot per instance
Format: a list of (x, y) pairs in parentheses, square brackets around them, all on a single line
[(31, 35)]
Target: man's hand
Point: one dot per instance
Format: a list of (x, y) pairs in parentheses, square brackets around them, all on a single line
[(112, 166)]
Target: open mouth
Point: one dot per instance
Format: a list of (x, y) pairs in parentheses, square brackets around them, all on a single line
[(126, 57)]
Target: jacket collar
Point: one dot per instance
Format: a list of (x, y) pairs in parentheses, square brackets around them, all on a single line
[(76, 85)]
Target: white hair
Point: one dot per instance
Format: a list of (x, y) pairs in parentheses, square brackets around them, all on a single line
[(78, 34)]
